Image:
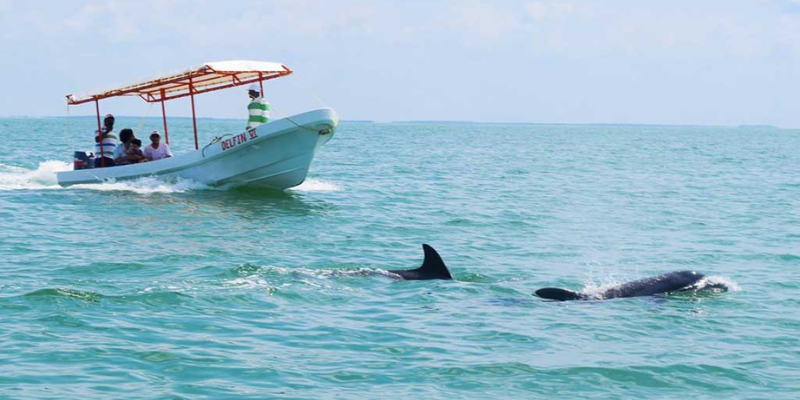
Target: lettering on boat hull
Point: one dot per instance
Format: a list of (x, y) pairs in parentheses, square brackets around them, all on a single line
[(238, 139)]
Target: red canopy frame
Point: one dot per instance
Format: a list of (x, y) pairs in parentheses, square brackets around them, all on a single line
[(207, 78)]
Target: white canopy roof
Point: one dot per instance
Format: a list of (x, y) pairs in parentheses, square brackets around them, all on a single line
[(195, 80)]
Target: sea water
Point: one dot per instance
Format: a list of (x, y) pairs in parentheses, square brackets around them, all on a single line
[(157, 289)]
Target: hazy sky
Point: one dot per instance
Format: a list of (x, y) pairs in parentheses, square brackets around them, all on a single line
[(724, 62)]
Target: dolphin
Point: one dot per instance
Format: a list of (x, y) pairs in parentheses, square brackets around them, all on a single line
[(432, 268), (678, 281)]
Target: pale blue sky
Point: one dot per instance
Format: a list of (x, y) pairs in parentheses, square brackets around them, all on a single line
[(726, 62)]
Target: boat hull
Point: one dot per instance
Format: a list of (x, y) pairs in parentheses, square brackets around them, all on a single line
[(275, 155)]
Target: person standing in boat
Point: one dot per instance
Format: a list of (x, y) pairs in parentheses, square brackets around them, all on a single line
[(104, 154), (156, 150), (258, 109)]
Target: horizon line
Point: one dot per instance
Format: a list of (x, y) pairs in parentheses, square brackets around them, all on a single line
[(433, 121)]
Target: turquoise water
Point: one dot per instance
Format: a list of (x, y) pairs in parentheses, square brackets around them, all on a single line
[(172, 290)]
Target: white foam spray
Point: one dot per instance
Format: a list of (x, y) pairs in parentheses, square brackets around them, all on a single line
[(724, 281), (146, 185), (44, 178), (41, 178), (315, 185)]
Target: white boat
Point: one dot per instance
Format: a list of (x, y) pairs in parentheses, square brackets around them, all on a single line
[(276, 154)]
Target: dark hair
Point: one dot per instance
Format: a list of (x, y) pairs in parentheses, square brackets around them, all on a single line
[(152, 135), (137, 142), (125, 135)]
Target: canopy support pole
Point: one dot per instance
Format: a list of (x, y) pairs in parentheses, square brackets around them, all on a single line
[(261, 83), (164, 116), (194, 119), (99, 132)]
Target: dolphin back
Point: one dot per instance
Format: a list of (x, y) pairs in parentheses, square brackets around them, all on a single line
[(432, 268), (678, 281), (559, 294), (667, 283)]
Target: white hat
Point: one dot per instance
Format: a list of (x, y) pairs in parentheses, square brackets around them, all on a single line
[(254, 88)]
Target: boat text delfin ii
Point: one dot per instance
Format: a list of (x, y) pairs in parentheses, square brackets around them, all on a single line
[(276, 154)]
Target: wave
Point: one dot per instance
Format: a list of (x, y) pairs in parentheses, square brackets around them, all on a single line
[(65, 293), (146, 185), (147, 296), (41, 178), (44, 178), (249, 276), (714, 280), (315, 185), (250, 270)]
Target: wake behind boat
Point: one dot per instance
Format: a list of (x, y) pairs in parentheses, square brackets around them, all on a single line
[(276, 154)]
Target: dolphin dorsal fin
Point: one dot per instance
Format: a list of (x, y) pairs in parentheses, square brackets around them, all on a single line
[(433, 266), (559, 294)]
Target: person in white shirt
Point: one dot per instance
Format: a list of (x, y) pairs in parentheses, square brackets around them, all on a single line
[(156, 150), (120, 156)]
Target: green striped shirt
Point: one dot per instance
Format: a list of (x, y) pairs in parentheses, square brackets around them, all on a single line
[(109, 144), (258, 109)]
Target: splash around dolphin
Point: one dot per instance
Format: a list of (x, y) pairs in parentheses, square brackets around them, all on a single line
[(678, 281), (432, 268)]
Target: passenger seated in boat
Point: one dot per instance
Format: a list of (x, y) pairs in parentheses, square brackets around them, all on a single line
[(258, 109), (135, 154), (104, 154), (156, 150), (121, 152)]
